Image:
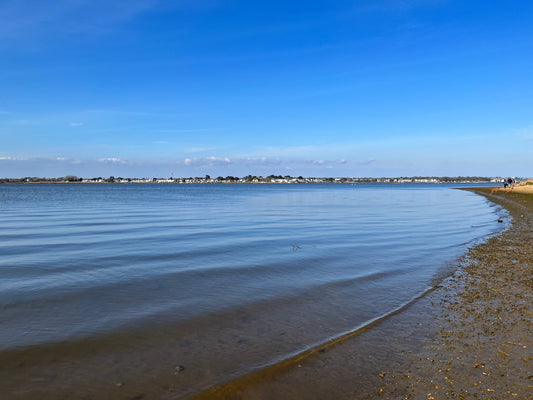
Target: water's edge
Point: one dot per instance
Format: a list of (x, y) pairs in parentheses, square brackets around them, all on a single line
[(269, 370)]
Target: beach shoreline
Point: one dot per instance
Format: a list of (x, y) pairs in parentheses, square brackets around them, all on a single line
[(484, 346), (470, 337)]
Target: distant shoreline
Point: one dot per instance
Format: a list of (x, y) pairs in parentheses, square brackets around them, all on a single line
[(271, 179)]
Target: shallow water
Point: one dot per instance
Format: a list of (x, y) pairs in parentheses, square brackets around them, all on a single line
[(219, 279)]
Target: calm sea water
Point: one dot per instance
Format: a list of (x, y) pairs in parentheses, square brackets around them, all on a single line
[(248, 274)]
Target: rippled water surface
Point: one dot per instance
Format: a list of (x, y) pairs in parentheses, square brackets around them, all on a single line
[(249, 273)]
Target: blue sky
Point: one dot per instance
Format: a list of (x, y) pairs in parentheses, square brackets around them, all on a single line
[(314, 88)]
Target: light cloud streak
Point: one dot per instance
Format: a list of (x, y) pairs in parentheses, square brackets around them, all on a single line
[(37, 19), (388, 166), (112, 160), (206, 161), (261, 161)]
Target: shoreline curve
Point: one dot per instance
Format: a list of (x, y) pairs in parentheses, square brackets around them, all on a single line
[(422, 349)]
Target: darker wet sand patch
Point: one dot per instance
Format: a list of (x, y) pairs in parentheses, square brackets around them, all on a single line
[(469, 338)]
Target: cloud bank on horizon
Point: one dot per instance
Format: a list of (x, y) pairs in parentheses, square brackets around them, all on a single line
[(323, 88)]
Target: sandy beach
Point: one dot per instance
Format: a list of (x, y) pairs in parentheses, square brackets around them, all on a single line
[(468, 338), (524, 189)]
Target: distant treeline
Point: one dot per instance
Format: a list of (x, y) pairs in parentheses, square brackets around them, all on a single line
[(255, 179)]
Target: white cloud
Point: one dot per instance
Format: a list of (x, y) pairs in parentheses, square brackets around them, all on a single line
[(76, 124), (112, 160), (67, 160), (326, 163), (206, 161), (216, 159), (261, 161)]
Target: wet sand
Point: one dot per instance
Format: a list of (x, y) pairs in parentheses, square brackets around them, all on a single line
[(471, 337)]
